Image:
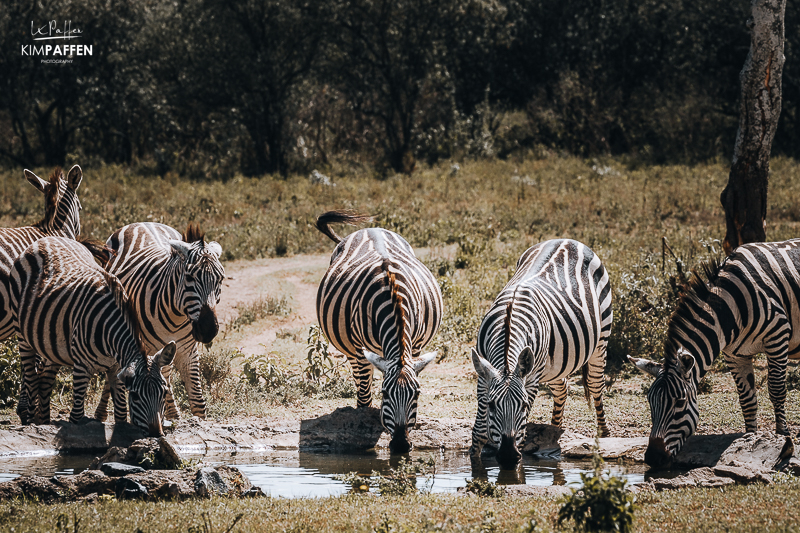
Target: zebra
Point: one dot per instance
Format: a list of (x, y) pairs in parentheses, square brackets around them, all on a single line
[(749, 306), (68, 311), (174, 282), (379, 305), (552, 318), (61, 218)]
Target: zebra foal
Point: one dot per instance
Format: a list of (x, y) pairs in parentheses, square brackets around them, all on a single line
[(748, 306), (68, 311), (61, 218), (379, 305), (551, 319), (174, 283)]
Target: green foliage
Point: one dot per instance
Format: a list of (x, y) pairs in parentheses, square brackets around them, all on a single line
[(400, 481), (320, 365), (262, 370), (485, 488), (263, 307), (793, 378), (602, 504), (215, 365), (10, 373)]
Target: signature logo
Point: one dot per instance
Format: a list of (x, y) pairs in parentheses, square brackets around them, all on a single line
[(52, 30)]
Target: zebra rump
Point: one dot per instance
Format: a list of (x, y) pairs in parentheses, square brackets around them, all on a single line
[(174, 282), (551, 319), (748, 305), (379, 305), (68, 311)]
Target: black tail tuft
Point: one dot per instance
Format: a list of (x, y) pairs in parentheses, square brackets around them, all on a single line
[(339, 217)]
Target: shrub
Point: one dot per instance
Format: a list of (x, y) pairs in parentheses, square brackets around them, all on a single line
[(602, 504), (215, 366), (10, 373), (399, 481), (485, 488), (261, 308)]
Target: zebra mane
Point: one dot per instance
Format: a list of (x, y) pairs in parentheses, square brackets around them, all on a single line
[(126, 308), (694, 290), (51, 197), (399, 312), (193, 233), (101, 253), (507, 329)]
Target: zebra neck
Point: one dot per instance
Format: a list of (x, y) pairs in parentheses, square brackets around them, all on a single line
[(702, 328), (167, 291)]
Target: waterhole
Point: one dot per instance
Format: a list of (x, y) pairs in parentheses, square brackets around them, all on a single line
[(293, 474)]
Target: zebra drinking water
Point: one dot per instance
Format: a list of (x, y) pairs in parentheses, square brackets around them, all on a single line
[(749, 306), (174, 283), (61, 218), (551, 319), (68, 311), (379, 305)]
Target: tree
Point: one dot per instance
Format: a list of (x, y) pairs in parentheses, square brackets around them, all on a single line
[(745, 196)]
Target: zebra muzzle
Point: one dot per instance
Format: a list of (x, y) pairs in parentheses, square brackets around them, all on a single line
[(508, 455), (657, 455), (400, 442), (206, 327)]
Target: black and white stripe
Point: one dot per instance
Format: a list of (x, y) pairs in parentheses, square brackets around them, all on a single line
[(749, 306), (68, 311), (174, 284), (378, 298), (551, 319), (61, 218)]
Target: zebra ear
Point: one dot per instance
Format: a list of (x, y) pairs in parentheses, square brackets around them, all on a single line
[(687, 362), (126, 376), (35, 180), (524, 362), (180, 247), (378, 361), (645, 365), (483, 367), (74, 177), (422, 361), (214, 248), (164, 356)]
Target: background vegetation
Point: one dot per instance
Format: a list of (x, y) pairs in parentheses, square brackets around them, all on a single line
[(209, 89)]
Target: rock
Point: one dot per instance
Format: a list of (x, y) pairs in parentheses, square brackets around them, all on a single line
[(141, 449), (523, 491), (208, 481), (170, 458), (115, 454), (168, 491), (759, 451), (128, 489), (791, 466), (254, 492), (87, 482), (119, 469), (542, 440), (91, 498), (703, 450), (699, 477), (344, 428), (743, 474)]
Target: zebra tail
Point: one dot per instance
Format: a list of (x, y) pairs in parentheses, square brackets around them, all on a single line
[(585, 375), (339, 217), (98, 249)]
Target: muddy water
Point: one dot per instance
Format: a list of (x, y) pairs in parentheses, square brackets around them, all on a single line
[(293, 474)]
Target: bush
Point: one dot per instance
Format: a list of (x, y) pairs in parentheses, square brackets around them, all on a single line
[(10, 373), (215, 366), (485, 488), (602, 504), (399, 481)]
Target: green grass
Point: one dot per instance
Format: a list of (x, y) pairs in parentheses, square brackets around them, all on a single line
[(740, 508)]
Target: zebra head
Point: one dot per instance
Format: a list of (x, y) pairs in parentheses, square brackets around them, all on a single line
[(400, 394), (507, 405), (673, 406), (200, 285), (147, 390), (62, 208)]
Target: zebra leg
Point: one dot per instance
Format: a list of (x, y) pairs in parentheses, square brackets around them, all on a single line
[(170, 410), (101, 413), (480, 433), (776, 380), (118, 395), (188, 368), (47, 381), (362, 373), (29, 389), (80, 382), (741, 368), (595, 384), (560, 390)]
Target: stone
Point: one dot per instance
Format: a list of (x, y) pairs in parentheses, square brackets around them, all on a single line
[(141, 449), (791, 466), (208, 481), (128, 489), (86, 482), (170, 458), (115, 454), (703, 450), (254, 492), (91, 498), (760, 451), (699, 477), (119, 469), (169, 491), (525, 491), (743, 474)]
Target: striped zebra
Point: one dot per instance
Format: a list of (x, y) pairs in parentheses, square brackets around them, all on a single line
[(378, 298), (749, 306), (551, 319), (61, 218), (174, 283), (68, 311)]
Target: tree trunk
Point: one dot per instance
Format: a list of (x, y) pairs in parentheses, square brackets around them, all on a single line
[(745, 196)]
